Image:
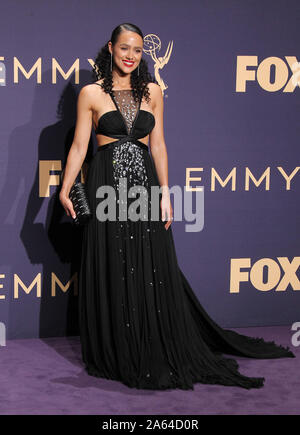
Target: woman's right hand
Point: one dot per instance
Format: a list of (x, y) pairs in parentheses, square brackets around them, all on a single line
[(67, 205)]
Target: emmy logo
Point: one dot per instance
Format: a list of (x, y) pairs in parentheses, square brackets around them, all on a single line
[(152, 46)]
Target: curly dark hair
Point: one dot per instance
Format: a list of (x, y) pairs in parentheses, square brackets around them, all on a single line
[(101, 68)]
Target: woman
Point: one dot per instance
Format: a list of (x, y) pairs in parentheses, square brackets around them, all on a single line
[(140, 322)]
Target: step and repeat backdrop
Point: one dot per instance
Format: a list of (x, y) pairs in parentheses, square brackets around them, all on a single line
[(230, 76)]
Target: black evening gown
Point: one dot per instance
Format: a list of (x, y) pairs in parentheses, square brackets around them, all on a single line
[(140, 321)]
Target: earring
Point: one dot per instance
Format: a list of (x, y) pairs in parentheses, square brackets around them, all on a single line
[(138, 69), (111, 61)]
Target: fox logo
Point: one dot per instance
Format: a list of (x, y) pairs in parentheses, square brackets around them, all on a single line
[(276, 278)]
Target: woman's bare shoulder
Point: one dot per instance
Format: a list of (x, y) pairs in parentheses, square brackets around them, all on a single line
[(91, 87), (154, 88), (155, 92), (91, 91)]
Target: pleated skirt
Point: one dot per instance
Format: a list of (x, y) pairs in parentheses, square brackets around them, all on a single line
[(140, 321)]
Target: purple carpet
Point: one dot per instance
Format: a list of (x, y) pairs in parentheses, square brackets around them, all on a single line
[(46, 376)]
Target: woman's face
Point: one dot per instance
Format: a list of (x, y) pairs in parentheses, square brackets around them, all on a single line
[(127, 52)]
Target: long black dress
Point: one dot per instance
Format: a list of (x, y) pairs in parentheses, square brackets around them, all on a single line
[(140, 321)]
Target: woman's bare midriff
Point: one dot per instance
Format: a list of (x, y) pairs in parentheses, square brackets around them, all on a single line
[(103, 140)]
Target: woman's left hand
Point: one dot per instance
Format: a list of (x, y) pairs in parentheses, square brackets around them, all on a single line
[(166, 210)]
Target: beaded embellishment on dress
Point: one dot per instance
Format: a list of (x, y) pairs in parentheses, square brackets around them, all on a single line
[(127, 106), (128, 160)]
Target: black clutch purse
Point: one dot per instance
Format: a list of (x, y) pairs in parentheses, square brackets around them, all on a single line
[(80, 202)]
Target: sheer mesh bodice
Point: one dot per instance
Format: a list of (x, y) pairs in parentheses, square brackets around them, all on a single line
[(127, 106), (128, 121)]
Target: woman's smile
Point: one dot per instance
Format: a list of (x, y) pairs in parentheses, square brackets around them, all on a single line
[(128, 63)]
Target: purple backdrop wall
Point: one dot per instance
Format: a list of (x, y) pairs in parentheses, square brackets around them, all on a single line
[(231, 102)]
